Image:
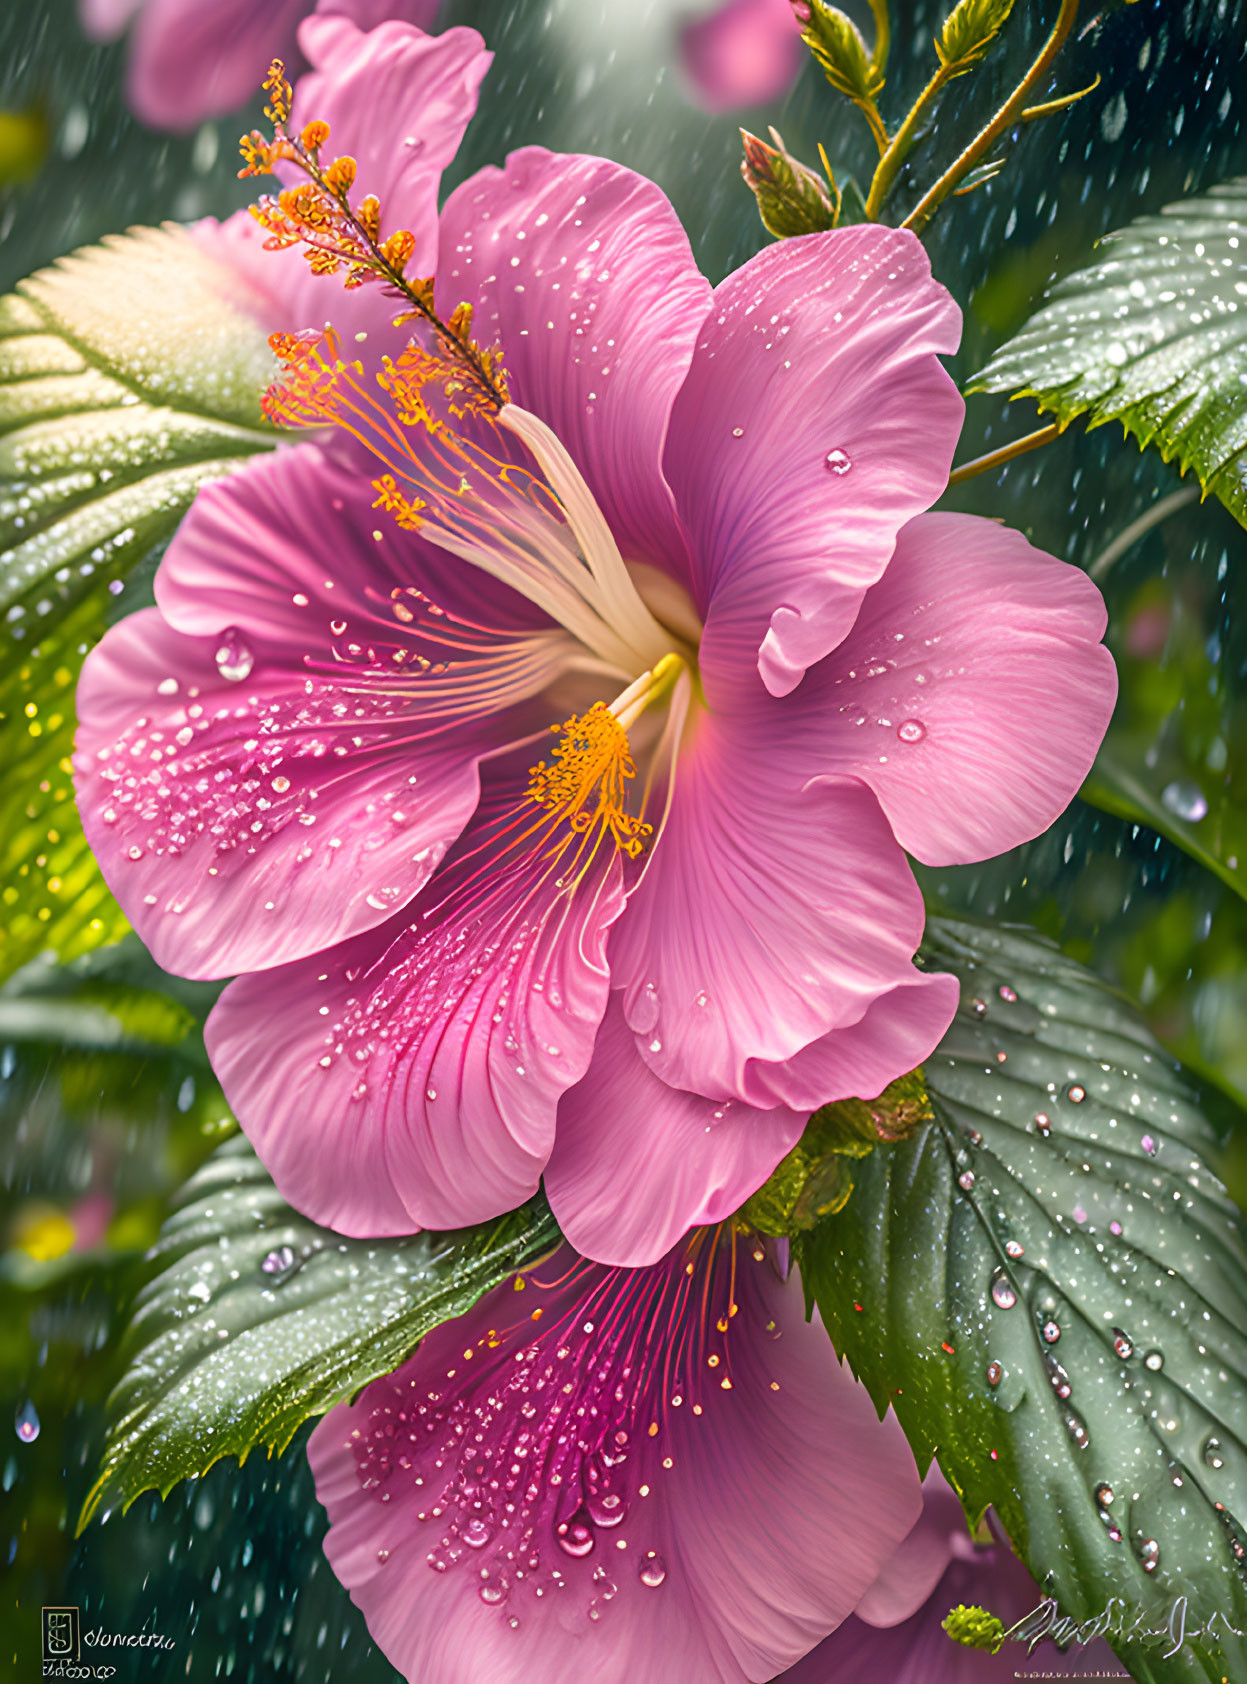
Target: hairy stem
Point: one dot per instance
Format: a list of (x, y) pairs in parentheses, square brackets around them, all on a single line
[(1009, 113)]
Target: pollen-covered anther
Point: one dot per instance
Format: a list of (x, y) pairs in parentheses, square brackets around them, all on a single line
[(587, 779), (404, 509)]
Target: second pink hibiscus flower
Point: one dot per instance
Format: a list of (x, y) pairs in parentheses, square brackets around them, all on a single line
[(565, 836)]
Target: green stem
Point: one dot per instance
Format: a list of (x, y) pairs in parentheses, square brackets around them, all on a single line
[(891, 161), (1006, 453), (1008, 114)]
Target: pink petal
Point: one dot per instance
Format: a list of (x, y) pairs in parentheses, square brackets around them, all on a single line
[(747, 52), (973, 691), (104, 20), (368, 14), (776, 908), (583, 273), (418, 1068), (913, 1573), (190, 60), (815, 421), (274, 771), (398, 102), (882, 1642), (899, 1029), (636, 1163), (709, 1540)]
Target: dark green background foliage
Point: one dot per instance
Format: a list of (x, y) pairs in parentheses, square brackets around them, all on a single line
[(108, 1104)]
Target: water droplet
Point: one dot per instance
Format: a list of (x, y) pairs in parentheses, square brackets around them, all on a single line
[(1149, 1554), (1212, 1453), (1149, 1145), (1104, 1495), (606, 1510), (167, 687), (1185, 800), (575, 1536), (279, 1259), (476, 1534), (1123, 1344), (838, 461), (26, 1422), (281, 785), (911, 730), (1076, 1427), (995, 1373), (1003, 1294), (1007, 994), (493, 1591), (1077, 1094), (1043, 1124), (966, 1180), (1013, 1249), (1051, 1331), (234, 658), (382, 899), (653, 1570), (1154, 1360), (645, 1010)]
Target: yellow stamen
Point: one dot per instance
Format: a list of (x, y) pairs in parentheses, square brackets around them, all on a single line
[(586, 780)]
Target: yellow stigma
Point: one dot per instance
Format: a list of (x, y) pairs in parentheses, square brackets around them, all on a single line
[(587, 779)]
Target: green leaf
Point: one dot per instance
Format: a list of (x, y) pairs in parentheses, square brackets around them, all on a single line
[(969, 30), (259, 1319), (1049, 1286), (128, 379), (1154, 335), (842, 54)]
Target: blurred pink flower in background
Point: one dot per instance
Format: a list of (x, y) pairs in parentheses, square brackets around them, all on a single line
[(634, 956), (659, 1474), (192, 59), (747, 52)]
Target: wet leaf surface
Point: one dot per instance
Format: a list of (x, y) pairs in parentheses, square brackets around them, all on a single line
[(1047, 1284)]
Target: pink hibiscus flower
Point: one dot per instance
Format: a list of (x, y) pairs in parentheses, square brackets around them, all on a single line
[(630, 956), (192, 59), (747, 52), (659, 1474)]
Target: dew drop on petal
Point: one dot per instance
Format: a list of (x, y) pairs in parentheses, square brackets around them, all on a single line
[(1123, 1344), (653, 1571), (575, 1536), (26, 1422), (837, 461), (234, 657), (911, 730)]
